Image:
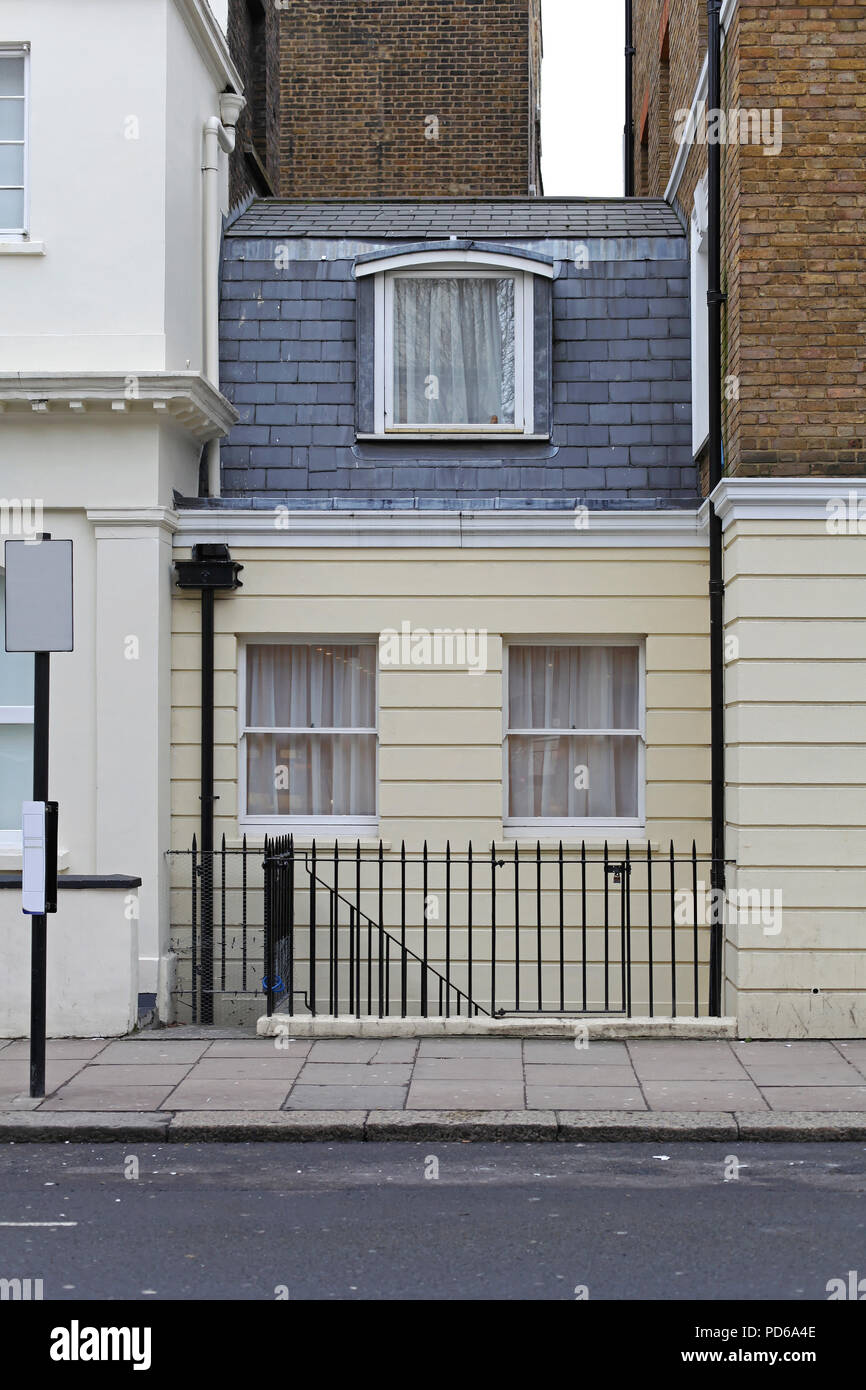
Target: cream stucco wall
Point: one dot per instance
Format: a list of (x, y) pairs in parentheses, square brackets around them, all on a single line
[(91, 927), (110, 696), (796, 722), (103, 300), (440, 731)]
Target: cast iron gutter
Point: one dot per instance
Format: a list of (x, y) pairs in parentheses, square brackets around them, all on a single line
[(629, 107), (715, 299)]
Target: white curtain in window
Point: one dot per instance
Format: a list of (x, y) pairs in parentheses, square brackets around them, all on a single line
[(453, 351), (307, 687), (577, 776)]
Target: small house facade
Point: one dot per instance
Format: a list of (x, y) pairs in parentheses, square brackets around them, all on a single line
[(473, 603)]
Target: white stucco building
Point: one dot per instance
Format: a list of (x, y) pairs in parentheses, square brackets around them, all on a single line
[(109, 227)]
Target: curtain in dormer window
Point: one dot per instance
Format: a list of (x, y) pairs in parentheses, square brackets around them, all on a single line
[(454, 350)]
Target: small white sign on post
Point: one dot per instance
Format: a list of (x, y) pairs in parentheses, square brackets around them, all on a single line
[(33, 858), (38, 596)]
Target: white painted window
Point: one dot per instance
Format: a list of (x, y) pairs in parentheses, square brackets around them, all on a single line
[(16, 733), (454, 344), (700, 282), (308, 745), (14, 78), (574, 736)]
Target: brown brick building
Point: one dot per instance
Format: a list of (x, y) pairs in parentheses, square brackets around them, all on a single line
[(377, 98), (253, 37), (793, 206)]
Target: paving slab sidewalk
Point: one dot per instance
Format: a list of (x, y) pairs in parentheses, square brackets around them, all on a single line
[(204, 1086)]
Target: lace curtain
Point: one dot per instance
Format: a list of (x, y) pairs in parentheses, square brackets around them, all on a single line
[(311, 687), (453, 351)]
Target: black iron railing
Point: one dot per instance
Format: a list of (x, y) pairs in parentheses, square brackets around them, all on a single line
[(218, 933), (363, 932), (370, 970), (442, 933)]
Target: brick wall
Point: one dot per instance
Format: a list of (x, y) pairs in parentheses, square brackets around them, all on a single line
[(792, 236), (669, 36), (359, 78), (803, 293), (254, 42), (534, 115)]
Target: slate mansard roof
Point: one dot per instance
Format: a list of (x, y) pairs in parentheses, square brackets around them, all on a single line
[(620, 375), (463, 217)]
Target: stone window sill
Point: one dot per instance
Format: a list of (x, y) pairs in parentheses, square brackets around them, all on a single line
[(22, 248)]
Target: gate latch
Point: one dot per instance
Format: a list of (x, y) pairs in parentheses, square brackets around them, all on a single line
[(617, 870)]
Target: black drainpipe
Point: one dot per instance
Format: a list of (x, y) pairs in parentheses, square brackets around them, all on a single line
[(715, 299), (629, 108), (210, 568)]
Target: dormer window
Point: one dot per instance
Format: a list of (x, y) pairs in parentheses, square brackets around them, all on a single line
[(456, 345)]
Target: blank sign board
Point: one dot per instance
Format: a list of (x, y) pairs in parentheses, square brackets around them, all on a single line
[(38, 596)]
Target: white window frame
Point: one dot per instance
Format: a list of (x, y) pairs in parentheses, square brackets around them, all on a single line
[(700, 281), (20, 233), (10, 836), (437, 265), (575, 828), (348, 827)]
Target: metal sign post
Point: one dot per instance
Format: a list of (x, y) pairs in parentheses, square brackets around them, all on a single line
[(39, 620)]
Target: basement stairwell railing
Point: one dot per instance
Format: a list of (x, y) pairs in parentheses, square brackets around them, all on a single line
[(361, 932)]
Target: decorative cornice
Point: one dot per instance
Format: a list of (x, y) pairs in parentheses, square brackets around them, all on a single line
[(188, 398), (280, 528), (781, 499), (211, 43), (112, 522)]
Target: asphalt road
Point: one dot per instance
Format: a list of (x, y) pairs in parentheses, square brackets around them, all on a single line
[(362, 1221)]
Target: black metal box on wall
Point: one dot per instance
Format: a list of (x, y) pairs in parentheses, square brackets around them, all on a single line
[(211, 567)]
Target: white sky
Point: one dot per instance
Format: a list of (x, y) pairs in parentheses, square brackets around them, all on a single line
[(582, 103), (220, 9), (582, 97)]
